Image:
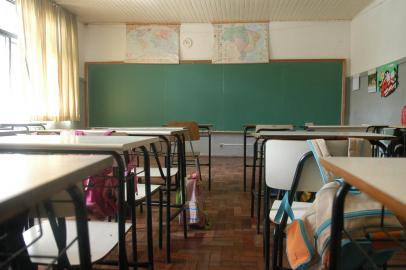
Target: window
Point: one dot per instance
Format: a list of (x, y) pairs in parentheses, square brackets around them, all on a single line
[(9, 65), (39, 69)]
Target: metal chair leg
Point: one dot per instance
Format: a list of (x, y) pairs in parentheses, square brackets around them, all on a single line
[(160, 218), (266, 242), (261, 168), (275, 248), (253, 177)]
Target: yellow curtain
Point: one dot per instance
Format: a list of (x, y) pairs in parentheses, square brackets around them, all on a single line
[(48, 42)]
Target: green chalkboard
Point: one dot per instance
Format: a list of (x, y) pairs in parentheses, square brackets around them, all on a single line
[(227, 96)]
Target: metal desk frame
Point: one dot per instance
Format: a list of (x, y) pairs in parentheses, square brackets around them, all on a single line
[(123, 259)]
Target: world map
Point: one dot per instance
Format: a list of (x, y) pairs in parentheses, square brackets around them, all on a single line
[(152, 44), (241, 43)]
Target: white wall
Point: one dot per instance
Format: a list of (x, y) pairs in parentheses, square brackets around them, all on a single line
[(288, 40), (378, 35), (309, 40)]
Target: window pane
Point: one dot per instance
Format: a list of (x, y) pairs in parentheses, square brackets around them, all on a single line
[(4, 63), (15, 72), (8, 17)]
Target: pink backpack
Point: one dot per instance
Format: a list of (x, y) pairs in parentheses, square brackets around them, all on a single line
[(100, 189)]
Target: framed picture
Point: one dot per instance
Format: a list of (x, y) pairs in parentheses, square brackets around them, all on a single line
[(387, 79), (372, 81)]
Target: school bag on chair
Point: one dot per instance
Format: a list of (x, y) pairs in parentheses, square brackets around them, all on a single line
[(308, 238)]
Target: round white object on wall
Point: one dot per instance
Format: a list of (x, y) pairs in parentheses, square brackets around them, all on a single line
[(187, 42)]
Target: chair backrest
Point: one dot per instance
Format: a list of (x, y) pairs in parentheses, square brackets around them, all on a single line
[(339, 148), (193, 133), (281, 160), (273, 127)]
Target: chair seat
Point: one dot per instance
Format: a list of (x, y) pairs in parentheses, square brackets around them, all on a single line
[(298, 208), (103, 238), (140, 195), (154, 172)]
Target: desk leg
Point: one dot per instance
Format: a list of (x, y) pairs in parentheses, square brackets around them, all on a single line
[(122, 255), (260, 175), (82, 227), (168, 198), (131, 203), (253, 177), (149, 211), (58, 227), (337, 227), (245, 159), (182, 161), (266, 240), (209, 160)]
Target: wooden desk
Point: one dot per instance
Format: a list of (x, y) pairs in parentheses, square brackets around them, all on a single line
[(381, 178), (31, 179), (110, 145)]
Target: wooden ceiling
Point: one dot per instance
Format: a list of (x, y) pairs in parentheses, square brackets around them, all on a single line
[(212, 11)]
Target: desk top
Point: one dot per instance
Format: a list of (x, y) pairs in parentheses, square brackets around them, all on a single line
[(29, 179), (250, 126), (7, 132), (148, 131), (205, 125), (269, 126), (53, 131), (362, 127), (381, 178), (397, 126), (23, 124), (327, 135), (69, 142)]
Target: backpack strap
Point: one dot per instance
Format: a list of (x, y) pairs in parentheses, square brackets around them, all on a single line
[(284, 208), (313, 145)]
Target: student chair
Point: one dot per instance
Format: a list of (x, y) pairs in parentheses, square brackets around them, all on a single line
[(258, 155), (289, 166), (193, 135), (292, 167), (160, 150)]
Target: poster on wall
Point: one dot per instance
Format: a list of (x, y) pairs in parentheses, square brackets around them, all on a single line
[(355, 82), (241, 43), (387, 78), (372, 81), (152, 44)]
